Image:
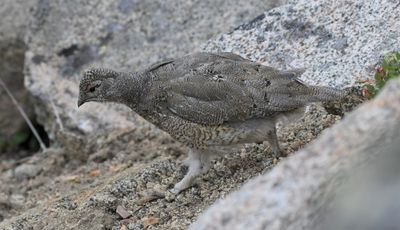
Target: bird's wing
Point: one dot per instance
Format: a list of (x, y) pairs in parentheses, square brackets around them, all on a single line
[(159, 64), (230, 56), (213, 89), (209, 102)]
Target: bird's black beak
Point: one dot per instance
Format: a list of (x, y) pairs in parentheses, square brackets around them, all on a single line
[(80, 102)]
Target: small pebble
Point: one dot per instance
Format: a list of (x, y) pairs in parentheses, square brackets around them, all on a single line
[(150, 220), (122, 212), (26, 171)]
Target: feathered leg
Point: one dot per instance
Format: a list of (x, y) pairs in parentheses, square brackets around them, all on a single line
[(273, 141), (198, 162)]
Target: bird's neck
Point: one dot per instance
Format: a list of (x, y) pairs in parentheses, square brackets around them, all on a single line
[(129, 88)]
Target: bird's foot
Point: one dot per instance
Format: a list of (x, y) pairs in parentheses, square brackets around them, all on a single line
[(180, 186), (175, 191), (198, 163), (186, 182)]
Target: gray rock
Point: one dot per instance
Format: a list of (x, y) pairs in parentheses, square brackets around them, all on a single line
[(26, 171), (376, 184), (17, 200), (338, 42), (125, 35), (294, 194), (14, 19), (13, 24)]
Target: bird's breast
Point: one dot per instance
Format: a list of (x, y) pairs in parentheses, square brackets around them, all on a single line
[(202, 136)]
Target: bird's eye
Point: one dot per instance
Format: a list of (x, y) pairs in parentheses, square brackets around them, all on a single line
[(92, 87)]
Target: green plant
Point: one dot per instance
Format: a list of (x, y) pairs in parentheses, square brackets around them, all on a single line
[(18, 138), (3, 144), (15, 141), (389, 68)]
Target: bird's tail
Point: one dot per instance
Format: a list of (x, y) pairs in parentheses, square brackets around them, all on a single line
[(326, 94)]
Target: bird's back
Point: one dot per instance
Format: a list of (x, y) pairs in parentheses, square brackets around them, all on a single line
[(217, 88)]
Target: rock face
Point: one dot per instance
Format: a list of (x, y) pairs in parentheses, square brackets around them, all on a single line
[(66, 37), (13, 26), (296, 192), (339, 42), (14, 19)]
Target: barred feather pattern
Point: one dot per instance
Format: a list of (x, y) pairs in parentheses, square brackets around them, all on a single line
[(210, 99)]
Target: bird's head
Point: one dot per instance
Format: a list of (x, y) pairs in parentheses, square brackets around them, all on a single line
[(95, 85)]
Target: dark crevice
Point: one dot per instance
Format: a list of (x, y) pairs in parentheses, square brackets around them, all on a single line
[(16, 139), (66, 52), (26, 143), (77, 57), (80, 55), (37, 59)]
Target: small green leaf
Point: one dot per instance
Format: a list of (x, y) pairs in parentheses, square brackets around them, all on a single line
[(3, 144), (19, 138), (389, 69), (398, 55), (371, 90)]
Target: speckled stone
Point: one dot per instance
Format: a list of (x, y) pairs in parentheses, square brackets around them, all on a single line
[(14, 19), (339, 42)]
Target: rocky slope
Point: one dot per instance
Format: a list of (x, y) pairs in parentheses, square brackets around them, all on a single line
[(109, 169)]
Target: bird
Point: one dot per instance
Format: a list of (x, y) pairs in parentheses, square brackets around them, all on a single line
[(213, 103)]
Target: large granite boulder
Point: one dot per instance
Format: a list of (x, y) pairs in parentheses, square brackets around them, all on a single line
[(338, 42)]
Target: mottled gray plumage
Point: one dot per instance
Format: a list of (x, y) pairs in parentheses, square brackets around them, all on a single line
[(212, 102)]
